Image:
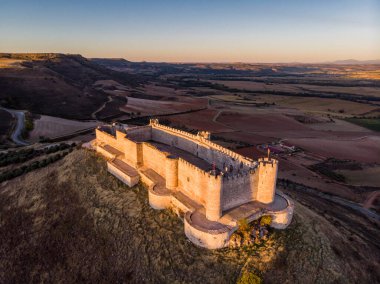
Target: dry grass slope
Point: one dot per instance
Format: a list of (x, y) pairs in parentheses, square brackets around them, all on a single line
[(73, 222)]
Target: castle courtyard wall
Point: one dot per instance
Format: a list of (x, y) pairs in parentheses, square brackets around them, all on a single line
[(196, 147), (176, 141), (140, 133)]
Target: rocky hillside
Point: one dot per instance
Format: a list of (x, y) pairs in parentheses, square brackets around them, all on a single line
[(56, 84), (73, 222)]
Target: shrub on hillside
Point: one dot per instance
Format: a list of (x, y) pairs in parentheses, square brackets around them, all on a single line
[(266, 220)]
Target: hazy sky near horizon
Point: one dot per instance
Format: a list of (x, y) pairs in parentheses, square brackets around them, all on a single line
[(195, 30)]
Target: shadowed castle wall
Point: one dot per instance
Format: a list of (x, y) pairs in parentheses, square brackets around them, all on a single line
[(196, 146), (140, 133), (237, 190)]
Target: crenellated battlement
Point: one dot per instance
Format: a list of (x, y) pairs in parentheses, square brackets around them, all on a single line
[(174, 131), (201, 138), (133, 128), (236, 175), (191, 166), (267, 161)]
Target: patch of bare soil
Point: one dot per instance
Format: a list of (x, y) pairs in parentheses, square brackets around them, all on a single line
[(74, 222), (50, 127), (365, 149)]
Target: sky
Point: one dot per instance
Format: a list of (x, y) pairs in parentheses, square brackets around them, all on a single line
[(194, 30)]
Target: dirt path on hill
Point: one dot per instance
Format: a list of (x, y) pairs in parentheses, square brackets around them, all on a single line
[(20, 117), (93, 115)]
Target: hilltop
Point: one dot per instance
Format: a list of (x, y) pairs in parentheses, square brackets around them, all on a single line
[(56, 84), (75, 222)]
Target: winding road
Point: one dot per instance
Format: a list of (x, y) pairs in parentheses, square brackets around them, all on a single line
[(16, 135), (109, 99)]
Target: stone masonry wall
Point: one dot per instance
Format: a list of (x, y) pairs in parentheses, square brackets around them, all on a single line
[(140, 133), (267, 176), (103, 137), (249, 180), (197, 148), (154, 159), (192, 181), (206, 143), (236, 191)]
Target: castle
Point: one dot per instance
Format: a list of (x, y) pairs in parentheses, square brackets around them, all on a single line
[(210, 186)]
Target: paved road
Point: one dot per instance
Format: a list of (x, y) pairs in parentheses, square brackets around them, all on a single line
[(16, 135)]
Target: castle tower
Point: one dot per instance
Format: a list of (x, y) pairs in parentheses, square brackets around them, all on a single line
[(214, 198), (267, 176), (171, 172)]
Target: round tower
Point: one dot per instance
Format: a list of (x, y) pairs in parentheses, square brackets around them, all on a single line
[(267, 177), (171, 172), (214, 198)]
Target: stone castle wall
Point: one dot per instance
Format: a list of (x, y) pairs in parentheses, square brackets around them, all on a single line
[(248, 181), (140, 133), (104, 137), (200, 146), (193, 181), (237, 190), (154, 159)]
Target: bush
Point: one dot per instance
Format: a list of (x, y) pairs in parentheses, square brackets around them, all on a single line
[(27, 154), (249, 278), (244, 226), (266, 220)]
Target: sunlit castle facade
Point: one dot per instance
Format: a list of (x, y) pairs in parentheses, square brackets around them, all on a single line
[(210, 186)]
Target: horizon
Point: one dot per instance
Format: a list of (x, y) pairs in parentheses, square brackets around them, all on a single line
[(197, 32), (207, 62)]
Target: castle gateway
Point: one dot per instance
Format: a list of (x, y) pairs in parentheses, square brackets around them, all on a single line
[(210, 186)]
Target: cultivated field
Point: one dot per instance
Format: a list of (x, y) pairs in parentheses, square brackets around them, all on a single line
[(364, 149), (368, 176), (51, 127)]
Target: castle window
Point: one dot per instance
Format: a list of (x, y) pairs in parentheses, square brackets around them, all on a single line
[(188, 179)]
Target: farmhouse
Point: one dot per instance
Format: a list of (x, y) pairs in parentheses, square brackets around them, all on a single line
[(210, 186)]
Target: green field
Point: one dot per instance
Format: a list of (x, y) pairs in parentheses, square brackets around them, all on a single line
[(370, 123)]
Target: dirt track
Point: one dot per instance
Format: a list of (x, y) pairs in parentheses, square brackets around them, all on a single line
[(20, 117)]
